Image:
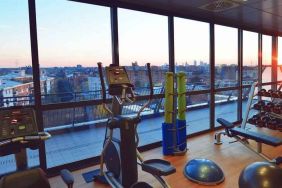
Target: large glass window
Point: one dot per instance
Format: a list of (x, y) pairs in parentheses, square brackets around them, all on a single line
[(279, 69), (226, 56), (191, 39), (72, 38), (250, 57), (250, 64), (16, 80), (143, 38), (266, 59), (192, 52)]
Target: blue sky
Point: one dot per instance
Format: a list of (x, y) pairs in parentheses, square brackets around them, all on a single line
[(71, 33)]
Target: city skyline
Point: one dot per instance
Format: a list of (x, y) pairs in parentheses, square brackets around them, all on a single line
[(71, 33)]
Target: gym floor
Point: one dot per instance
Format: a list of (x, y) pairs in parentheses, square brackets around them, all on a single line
[(231, 157)]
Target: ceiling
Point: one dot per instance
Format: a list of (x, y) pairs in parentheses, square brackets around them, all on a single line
[(263, 16)]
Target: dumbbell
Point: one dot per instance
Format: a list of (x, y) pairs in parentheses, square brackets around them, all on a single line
[(259, 105), (279, 93), (279, 127), (266, 119), (277, 109), (258, 120), (268, 107), (262, 119), (272, 124), (262, 122), (253, 120), (262, 92), (273, 94)]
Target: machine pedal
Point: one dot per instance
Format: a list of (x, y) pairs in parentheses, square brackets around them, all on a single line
[(158, 167)]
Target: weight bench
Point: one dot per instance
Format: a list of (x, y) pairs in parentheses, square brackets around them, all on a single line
[(242, 135)]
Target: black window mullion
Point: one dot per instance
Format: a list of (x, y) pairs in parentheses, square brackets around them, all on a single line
[(36, 78), (212, 77), (240, 73), (260, 60)]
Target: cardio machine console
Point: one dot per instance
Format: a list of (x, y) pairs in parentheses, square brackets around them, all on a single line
[(117, 78), (17, 122)]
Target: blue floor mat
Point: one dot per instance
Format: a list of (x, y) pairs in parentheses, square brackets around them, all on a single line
[(89, 176)]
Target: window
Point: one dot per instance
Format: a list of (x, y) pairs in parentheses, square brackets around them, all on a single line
[(279, 69), (15, 67), (266, 59), (143, 38), (192, 52), (226, 56), (15, 54), (250, 57), (191, 40), (72, 38)]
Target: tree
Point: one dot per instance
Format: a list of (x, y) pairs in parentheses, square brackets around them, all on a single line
[(62, 89)]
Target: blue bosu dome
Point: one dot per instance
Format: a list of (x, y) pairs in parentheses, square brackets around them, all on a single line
[(203, 171)]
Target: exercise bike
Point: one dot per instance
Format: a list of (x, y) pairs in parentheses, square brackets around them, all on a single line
[(19, 131), (120, 152)]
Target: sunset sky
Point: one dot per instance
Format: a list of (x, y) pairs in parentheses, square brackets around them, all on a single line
[(71, 33)]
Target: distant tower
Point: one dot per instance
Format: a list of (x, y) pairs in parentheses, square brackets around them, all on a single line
[(135, 63), (195, 63)]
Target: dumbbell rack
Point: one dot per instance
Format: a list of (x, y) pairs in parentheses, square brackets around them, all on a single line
[(266, 116)]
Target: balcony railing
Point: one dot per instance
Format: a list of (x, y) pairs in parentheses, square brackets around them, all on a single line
[(93, 114)]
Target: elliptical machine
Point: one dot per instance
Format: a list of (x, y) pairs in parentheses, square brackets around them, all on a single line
[(120, 152), (19, 131)]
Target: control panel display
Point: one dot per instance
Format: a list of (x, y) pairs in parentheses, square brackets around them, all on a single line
[(117, 75), (17, 122)]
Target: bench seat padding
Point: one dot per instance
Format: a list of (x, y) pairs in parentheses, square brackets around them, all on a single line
[(259, 137)]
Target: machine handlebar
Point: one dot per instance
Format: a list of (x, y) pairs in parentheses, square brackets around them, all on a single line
[(151, 90), (127, 95), (150, 80), (102, 81), (103, 88), (39, 136)]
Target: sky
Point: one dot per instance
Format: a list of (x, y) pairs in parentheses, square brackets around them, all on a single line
[(71, 33)]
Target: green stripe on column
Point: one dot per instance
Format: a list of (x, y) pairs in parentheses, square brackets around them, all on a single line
[(168, 97), (181, 90)]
